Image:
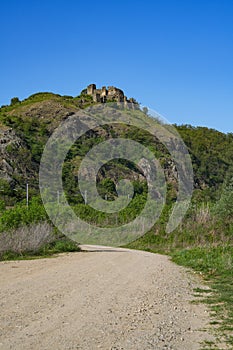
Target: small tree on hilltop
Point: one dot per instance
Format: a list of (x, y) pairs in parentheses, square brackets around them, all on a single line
[(14, 101)]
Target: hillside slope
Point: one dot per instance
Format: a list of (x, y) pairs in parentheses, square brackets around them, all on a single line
[(26, 125)]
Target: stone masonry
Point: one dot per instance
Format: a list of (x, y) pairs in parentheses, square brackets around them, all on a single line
[(112, 94)]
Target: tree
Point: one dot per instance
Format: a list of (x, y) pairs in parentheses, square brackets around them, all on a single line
[(14, 101), (224, 207), (145, 110)]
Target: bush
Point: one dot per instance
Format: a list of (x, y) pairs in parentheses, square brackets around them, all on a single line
[(14, 101), (20, 215), (224, 207)]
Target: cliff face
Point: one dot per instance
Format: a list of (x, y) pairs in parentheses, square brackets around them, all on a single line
[(13, 154)]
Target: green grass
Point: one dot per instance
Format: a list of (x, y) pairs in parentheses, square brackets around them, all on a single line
[(216, 266), (67, 101)]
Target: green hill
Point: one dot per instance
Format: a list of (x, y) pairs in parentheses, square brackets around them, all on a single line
[(26, 126)]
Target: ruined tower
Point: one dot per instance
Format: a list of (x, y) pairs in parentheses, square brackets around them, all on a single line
[(91, 89)]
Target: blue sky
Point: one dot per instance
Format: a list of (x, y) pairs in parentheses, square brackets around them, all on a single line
[(174, 56)]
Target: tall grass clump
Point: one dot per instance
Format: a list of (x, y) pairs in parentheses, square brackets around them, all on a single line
[(26, 231)]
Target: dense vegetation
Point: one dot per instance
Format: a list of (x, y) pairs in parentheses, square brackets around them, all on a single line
[(211, 152)]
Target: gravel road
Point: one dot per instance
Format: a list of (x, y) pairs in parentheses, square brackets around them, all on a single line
[(109, 299)]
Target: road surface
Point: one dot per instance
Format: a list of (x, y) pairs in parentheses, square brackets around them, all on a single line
[(111, 299)]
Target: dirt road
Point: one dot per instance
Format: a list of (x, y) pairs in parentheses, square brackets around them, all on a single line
[(105, 299)]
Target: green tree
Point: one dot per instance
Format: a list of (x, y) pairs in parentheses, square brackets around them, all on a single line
[(14, 101), (224, 207)]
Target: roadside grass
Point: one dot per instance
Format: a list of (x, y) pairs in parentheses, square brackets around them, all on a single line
[(48, 250), (212, 258), (216, 266)]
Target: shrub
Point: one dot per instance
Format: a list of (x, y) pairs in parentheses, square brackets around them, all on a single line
[(14, 101), (224, 207), (21, 215)]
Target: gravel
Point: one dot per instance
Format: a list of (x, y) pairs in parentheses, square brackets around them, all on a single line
[(111, 299)]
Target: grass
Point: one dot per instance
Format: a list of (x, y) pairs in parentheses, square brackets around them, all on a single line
[(210, 256), (216, 266), (59, 246)]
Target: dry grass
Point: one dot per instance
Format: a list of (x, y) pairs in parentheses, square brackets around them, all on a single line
[(202, 214), (28, 238)]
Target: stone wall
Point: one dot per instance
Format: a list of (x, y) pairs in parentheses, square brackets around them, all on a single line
[(111, 93)]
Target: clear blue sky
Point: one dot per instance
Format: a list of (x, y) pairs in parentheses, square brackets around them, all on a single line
[(175, 56)]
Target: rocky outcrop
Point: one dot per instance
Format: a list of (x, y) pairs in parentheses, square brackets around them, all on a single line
[(11, 147)]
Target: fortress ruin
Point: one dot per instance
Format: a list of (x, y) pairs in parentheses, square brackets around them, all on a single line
[(111, 94)]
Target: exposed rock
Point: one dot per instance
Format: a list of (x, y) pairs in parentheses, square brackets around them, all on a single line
[(10, 148)]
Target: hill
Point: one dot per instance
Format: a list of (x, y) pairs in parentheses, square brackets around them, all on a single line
[(25, 127)]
